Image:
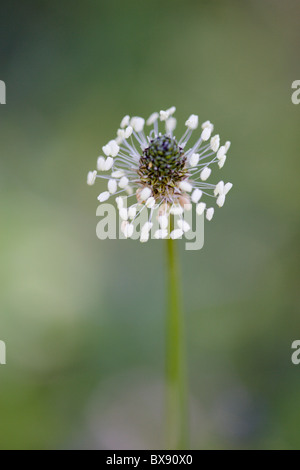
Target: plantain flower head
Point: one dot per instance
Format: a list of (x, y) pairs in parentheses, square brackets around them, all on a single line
[(156, 172)]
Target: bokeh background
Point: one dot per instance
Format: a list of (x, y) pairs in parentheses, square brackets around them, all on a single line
[(83, 320)]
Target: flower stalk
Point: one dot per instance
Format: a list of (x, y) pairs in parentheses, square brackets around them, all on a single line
[(176, 375)]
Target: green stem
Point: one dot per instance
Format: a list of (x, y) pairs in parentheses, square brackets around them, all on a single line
[(176, 406)]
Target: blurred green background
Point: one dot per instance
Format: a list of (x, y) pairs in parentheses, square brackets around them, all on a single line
[(83, 320)]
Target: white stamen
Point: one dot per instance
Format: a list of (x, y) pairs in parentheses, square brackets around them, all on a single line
[(119, 202), (221, 152), (91, 177), (128, 132), (147, 227), (114, 148), (215, 143), (185, 186), (194, 159), (171, 110), (222, 161), (103, 196), (227, 145), (221, 200), (206, 133), (150, 202), (144, 237), (171, 124), (101, 163), (219, 189), (123, 182), (163, 115), (152, 119), (132, 212), (125, 121), (207, 125), (111, 149), (205, 173), (121, 134), (227, 188), (196, 196), (210, 213), (163, 221), (161, 234), (127, 229), (176, 209), (192, 122), (183, 225), (145, 193), (177, 233), (123, 213), (117, 174), (112, 186), (108, 163), (106, 149), (200, 208), (137, 123)]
